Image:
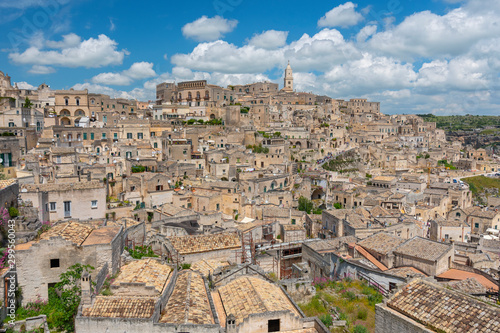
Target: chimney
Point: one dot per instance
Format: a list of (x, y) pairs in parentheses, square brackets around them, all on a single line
[(86, 283)]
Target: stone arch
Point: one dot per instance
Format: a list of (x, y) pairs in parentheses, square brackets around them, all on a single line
[(79, 113), (65, 113), (317, 194), (65, 121)]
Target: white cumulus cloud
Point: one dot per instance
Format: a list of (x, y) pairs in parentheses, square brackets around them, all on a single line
[(208, 29), (341, 16), (138, 71), (90, 53), (39, 69), (270, 39)]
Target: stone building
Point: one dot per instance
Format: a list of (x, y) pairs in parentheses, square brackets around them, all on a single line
[(39, 263), (430, 257), (55, 202)]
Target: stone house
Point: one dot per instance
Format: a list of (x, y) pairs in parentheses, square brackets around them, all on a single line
[(430, 257), (39, 263), (80, 201), (480, 221)]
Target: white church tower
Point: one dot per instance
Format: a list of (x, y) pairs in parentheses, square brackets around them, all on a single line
[(288, 81)]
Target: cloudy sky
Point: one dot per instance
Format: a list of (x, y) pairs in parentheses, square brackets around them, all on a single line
[(425, 56)]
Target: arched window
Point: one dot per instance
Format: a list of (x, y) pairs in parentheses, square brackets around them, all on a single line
[(265, 189), (66, 100), (77, 100)]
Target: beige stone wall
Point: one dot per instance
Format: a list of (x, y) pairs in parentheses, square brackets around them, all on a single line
[(390, 321)]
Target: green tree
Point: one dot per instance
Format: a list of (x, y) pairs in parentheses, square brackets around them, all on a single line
[(305, 205), (337, 205), (68, 296), (27, 103)]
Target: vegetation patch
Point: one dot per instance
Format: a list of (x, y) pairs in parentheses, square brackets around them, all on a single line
[(352, 301)]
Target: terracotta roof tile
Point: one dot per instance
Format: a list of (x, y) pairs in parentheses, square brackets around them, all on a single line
[(188, 302), (445, 310), (422, 248), (455, 274), (71, 231), (381, 242), (121, 307), (148, 271), (208, 266), (249, 295), (205, 243)]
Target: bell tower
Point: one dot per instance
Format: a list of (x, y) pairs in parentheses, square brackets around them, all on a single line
[(288, 81)]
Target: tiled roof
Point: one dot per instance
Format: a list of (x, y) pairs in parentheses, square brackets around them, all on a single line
[(406, 271), (148, 271), (121, 307), (249, 295), (378, 211), (71, 231), (371, 258), (6, 182), (292, 227), (488, 214), (381, 242), (188, 302), (456, 274), (208, 266), (422, 248), (205, 243), (468, 286), (445, 310), (84, 185), (330, 244), (102, 235)]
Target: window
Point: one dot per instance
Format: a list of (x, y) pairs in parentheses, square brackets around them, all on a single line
[(104, 135), (54, 263), (93, 204), (129, 135), (273, 325), (53, 206), (84, 136), (139, 135), (155, 145), (293, 221), (91, 136), (159, 187), (115, 135), (476, 225), (105, 119), (218, 206)]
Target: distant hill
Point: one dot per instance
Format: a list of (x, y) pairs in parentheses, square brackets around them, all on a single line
[(463, 123)]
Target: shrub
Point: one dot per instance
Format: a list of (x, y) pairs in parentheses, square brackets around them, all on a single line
[(186, 266), (375, 299), (326, 319), (350, 296), (138, 169), (360, 329), (141, 251), (13, 212), (362, 314)]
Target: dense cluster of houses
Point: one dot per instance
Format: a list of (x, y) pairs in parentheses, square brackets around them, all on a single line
[(243, 194)]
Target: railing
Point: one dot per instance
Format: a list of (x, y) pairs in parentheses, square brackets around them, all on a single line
[(381, 289)]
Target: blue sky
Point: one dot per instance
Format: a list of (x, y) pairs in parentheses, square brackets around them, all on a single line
[(438, 56)]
